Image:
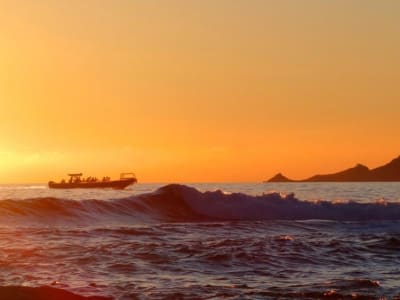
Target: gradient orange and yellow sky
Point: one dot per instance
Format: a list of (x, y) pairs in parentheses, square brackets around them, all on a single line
[(206, 90)]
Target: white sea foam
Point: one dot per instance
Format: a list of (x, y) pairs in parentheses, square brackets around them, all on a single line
[(183, 203)]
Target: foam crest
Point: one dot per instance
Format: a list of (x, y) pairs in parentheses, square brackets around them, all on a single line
[(183, 203)]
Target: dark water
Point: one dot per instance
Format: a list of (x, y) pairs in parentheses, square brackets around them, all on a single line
[(179, 243)]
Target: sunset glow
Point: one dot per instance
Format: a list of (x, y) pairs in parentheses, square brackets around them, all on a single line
[(197, 90)]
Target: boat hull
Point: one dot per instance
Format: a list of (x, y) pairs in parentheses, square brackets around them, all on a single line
[(113, 184)]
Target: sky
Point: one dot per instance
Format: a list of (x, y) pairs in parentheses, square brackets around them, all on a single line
[(197, 91)]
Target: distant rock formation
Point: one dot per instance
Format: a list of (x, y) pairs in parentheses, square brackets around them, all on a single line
[(279, 178), (388, 172), (359, 173)]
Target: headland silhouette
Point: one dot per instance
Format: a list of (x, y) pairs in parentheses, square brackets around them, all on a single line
[(359, 173)]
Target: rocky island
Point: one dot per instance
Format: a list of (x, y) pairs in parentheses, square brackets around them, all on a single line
[(359, 173)]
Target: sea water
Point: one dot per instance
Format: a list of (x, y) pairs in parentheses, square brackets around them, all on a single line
[(202, 241)]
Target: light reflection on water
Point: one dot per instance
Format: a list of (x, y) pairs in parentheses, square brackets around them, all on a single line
[(207, 259), (236, 259)]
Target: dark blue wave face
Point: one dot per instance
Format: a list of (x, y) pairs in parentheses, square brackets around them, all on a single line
[(182, 203)]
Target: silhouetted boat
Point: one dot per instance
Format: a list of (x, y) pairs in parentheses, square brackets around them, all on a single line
[(75, 182)]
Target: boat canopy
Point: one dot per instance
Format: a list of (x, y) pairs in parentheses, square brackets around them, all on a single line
[(127, 175), (75, 174)]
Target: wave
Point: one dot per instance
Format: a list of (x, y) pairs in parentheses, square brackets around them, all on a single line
[(336, 290), (176, 202), (41, 293)]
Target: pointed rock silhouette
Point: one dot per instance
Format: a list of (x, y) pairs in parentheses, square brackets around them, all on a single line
[(359, 173)]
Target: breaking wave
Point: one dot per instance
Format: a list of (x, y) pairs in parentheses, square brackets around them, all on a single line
[(183, 203)]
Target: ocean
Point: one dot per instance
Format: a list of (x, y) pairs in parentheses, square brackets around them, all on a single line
[(202, 241)]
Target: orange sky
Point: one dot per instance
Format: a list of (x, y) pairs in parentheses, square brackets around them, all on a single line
[(183, 90)]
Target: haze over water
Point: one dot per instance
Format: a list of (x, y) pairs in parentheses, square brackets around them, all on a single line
[(156, 241)]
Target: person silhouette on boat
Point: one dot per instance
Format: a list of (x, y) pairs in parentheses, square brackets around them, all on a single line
[(77, 181)]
